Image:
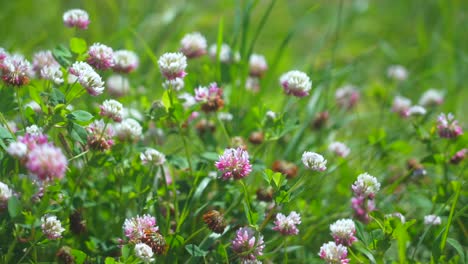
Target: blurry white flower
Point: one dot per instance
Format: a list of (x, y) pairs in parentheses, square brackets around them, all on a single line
[(314, 161), (225, 53), (51, 227), (172, 65), (34, 106), (397, 72), (296, 83), (339, 149), (117, 85), (34, 130), (112, 109), (101, 56), (144, 252), (432, 220), (17, 149), (252, 84), (189, 100), (257, 65), (52, 73), (366, 185), (76, 18), (125, 61), (432, 97), (224, 116), (176, 84), (401, 105), (416, 110), (128, 129), (152, 157), (193, 45)]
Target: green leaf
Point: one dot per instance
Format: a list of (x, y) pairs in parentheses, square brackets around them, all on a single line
[(195, 251), (62, 55), (4, 133), (109, 260), (80, 116), (278, 179), (126, 251), (283, 197), (78, 45), (77, 133), (57, 97), (79, 256), (166, 100), (458, 247), (14, 206), (175, 241), (210, 156)]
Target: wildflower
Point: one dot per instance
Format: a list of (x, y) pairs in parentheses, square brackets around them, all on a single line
[(284, 167), (125, 61), (16, 70), (432, 220), (224, 116), (144, 252), (431, 97), (34, 130), (117, 85), (343, 232), (314, 161), (112, 109), (347, 96), (296, 83), (225, 53), (459, 156), (51, 227), (448, 127), (87, 77), (172, 65), (176, 84), (246, 245), (401, 105), (270, 114), (212, 97), (234, 163), (339, 149), (257, 65), (256, 137), (5, 194), (43, 59), (397, 215), (193, 45), (52, 73), (152, 157), (47, 162), (100, 56), (333, 253), (129, 129), (76, 18), (366, 185), (397, 72), (137, 227), (100, 135), (287, 225), (189, 100), (416, 110), (17, 149), (215, 221), (252, 84)]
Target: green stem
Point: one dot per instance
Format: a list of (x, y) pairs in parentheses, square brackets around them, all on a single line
[(456, 186), (247, 201), (18, 99)]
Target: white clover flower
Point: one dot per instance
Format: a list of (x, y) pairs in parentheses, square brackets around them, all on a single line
[(51, 227), (397, 215), (339, 149), (76, 18), (257, 65), (52, 73), (225, 53), (153, 157), (16, 70), (333, 253), (34, 130), (117, 85), (34, 106), (270, 114), (17, 149), (43, 58), (101, 56), (252, 84), (416, 110), (286, 225), (144, 252), (432, 97), (87, 77), (343, 231), (189, 100), (5, 194), (401, 105), (112, 109), (176, 84), (128, 129), (125, 61), (347, 96), (432, 220), (224, 116), (172, 65), (193, 45), (397, 72), (132, 113), (366, 185), (296, 83), (314, 161)]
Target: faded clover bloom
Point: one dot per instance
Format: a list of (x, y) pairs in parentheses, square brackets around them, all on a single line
[(343, 231), (16, 70), (5, 194), (117, 85), (176, 84), (135, 228), (339, 149), (366, 185), (432, 220), (125, 61), (129, 129), (246, 245), (112, 109), (212, 97), (448, 127), (314, 161), (144, 252), (287, 225), (100, 135), (347, 96), (234, 163), (87, 77), (215, 221), (193, 45), (47, 162), (172, 65), (152, 157), (257, 65), (296, 83), (76, 18), (43, 59), (101, 56), (333, 253), (431, 97), (397, 72), (401, 105), (51, 227)]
